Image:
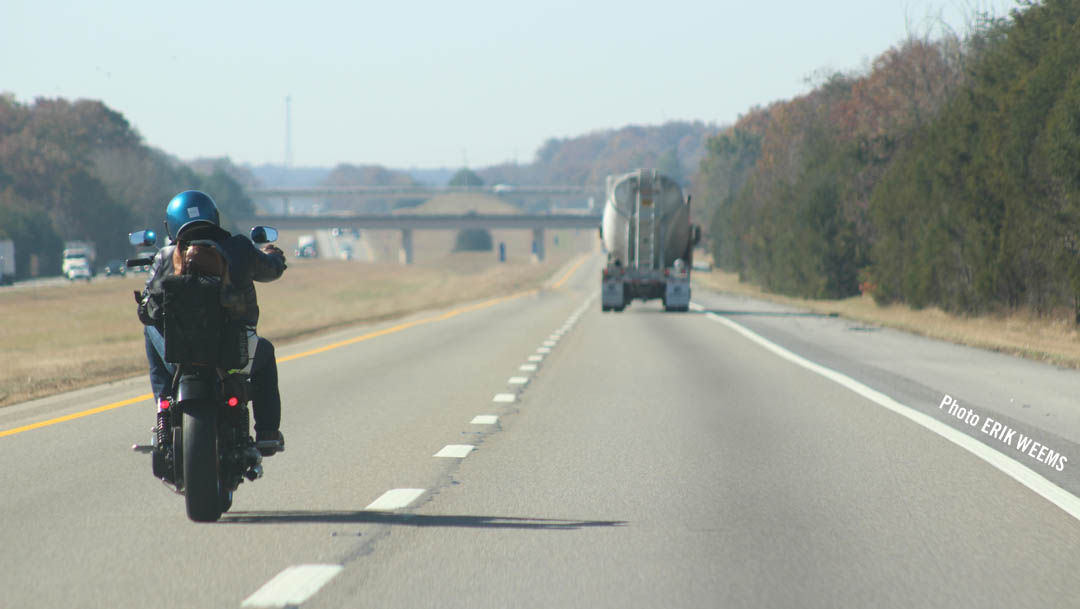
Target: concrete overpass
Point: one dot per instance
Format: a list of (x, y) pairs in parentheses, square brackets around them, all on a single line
[(422, 192), (407, 223)]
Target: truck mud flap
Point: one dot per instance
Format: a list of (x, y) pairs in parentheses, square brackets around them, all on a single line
[(611, 295), (677, 296)]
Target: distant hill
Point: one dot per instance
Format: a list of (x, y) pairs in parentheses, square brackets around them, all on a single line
[(273, 176), (209, 165), (675, 148), (367, 175), (431, 177)]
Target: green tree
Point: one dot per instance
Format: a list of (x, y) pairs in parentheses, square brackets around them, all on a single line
[(230, 197), (669, 165), (32, 233), (473, 240), (466, 177)]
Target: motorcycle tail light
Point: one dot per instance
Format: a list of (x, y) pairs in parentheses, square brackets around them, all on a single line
[(234, 401), (163, 404)]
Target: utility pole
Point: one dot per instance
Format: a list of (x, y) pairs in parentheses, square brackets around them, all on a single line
[(288, 131)]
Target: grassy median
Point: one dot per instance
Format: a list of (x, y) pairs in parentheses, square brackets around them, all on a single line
[(65, 337), (1052, 339)]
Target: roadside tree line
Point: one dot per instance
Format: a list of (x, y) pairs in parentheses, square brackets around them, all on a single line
[(947, 174), (79, 171)]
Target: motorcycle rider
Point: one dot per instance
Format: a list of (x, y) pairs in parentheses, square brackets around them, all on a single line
[(192, 215)]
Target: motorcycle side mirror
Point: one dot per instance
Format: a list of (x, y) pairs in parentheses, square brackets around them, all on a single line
[(142, 238), (264, 234)]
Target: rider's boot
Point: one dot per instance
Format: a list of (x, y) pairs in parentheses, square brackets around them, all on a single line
[(269, 442)]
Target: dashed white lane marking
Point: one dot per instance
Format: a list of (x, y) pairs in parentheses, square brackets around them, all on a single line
[(395, 498), (455, 451), (485, 419), (536, 358), (518, 380), (1014, 469), (528, 367), (504, 398), (543, 349), (550, 343), (293, 586)]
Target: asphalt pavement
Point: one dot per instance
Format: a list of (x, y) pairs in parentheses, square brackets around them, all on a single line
[(534, 452)]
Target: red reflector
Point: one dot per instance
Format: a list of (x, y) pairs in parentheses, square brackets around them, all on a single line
[(163, 404), (234, 401)]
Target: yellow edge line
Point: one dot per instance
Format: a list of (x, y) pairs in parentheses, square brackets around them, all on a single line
[(77, 415), (337, 345), (558, 284)]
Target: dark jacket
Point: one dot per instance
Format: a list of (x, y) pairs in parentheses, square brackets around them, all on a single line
[(247, 264)]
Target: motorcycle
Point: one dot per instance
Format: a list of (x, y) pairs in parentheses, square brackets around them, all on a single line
[(201, 445)]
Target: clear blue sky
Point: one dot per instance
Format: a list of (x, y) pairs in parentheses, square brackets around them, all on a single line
[(426, 84)]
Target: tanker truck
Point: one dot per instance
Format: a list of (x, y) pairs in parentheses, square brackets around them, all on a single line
[(649, 240)]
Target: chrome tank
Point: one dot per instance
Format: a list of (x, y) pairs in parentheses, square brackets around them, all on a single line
[(671, 226)]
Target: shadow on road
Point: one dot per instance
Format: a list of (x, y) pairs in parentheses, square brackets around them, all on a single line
[(414, 520)]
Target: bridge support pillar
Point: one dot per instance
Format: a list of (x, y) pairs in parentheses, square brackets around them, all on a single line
[(405, 255), (538, 244)]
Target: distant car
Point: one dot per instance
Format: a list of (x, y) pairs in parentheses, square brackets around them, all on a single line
[(501, 188), (335, 232), (115, 267)]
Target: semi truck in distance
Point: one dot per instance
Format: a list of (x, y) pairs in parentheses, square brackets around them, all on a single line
[(78, 260), (649, 241), (7, 261)]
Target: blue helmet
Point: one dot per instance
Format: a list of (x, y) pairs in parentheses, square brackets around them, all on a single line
[(189, 208)]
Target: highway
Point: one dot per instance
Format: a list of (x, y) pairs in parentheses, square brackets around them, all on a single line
[(532, 451)]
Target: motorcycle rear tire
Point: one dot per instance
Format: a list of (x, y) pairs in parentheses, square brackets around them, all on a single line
[(202, 477), (226, 500)]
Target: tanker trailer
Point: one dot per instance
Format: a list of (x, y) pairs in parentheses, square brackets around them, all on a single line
[(649, 241)]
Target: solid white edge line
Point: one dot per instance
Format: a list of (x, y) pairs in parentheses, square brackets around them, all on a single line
[(1014, 469), (293, 586), (395, 498), (455, 451), (504, 398), (484, 419)]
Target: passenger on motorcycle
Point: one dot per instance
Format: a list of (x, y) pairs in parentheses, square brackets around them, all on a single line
[(193, 215)]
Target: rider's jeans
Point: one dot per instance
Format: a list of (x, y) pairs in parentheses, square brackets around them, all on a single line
[(265, 399)]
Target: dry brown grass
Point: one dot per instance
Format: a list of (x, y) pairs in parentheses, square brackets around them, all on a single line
[(59, 338), (1052, 339)]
